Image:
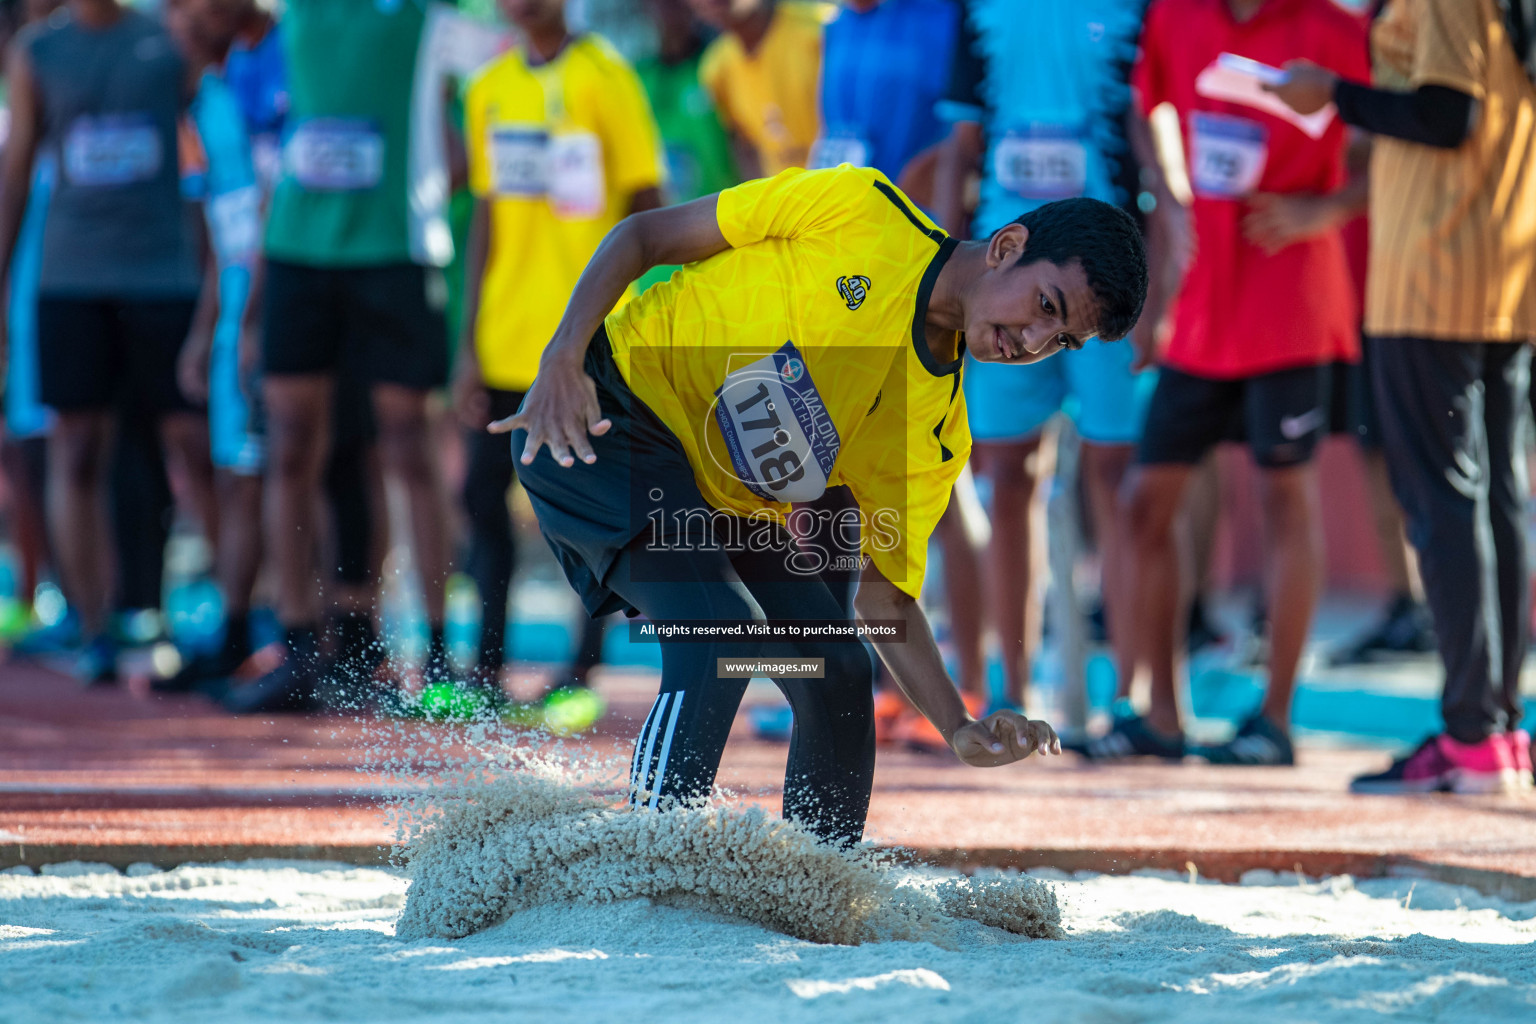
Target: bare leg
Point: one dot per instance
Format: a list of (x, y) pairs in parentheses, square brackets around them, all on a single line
[(1104, 468), (185, 435), (1291, 518), (405, 444), (1016, 555), (77, 514), (298, 437), (238, 558), (1397, 557), (962, 568), (28, 518), (1154, 497)]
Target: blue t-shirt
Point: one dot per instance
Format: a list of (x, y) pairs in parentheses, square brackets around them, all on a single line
[(1055, 115), (258, 78), (882, 72)]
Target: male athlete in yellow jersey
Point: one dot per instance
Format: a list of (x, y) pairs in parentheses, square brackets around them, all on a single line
[(813, 338)]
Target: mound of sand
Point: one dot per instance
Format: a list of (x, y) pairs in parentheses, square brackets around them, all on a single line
[(528, 839)]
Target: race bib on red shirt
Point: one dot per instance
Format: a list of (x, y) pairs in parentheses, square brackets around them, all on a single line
[(1227, 155), (780, 437)]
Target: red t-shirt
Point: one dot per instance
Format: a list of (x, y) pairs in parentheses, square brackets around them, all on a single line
[(1240, 312)]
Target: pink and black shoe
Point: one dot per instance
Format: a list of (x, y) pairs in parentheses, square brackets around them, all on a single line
[(1444, 765), (1520, 750)]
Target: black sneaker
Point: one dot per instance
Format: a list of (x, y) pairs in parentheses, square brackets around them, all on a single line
[(1129, 735), (288, 688), (1200, 634), (1405, 628), (96, 663), (1258, 742), (197, 672)]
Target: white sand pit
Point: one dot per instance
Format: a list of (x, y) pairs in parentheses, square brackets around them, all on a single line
[(294, 942)]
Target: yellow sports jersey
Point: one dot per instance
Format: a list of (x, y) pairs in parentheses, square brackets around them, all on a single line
[(557, 149), (772, 96), (796, 360)]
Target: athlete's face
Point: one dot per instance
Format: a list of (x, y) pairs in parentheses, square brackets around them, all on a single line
[(722, 14), (1022, 314), (533, 15), (203, 28)]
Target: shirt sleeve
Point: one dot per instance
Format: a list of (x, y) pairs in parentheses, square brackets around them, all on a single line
[(1148, 75), (474, 138), (1452, 46), (962, 100), (793, 203), (631, 140)]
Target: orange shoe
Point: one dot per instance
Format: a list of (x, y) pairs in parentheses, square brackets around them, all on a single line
[(914, 730), (890, 706)]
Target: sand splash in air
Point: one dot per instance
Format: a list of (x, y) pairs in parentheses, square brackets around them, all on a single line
[(512, 840)]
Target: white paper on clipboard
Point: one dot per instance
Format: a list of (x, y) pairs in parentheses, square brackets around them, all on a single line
[(1234, 79)]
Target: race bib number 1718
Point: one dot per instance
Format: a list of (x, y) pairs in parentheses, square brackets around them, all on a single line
[(780, 437)]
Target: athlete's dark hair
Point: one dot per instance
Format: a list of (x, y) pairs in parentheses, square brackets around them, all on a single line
[(1107, 242)]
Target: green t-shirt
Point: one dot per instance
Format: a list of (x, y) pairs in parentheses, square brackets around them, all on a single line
[(699, 159), (341, 200)]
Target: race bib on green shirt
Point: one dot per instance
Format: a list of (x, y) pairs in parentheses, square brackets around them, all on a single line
[(336, 155)]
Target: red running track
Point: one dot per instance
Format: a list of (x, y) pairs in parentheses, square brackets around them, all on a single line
[(118, 776)]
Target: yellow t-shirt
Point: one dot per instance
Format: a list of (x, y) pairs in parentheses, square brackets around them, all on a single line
[(796, 360), (558, 149), (772, 97)]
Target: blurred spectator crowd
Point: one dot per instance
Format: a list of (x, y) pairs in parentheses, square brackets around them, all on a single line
[(271, 272)]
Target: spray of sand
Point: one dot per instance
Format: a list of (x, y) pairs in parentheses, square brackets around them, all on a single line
[(526, 835)]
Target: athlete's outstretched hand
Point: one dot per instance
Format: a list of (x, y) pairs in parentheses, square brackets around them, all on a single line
[(560, 411), (1003, 737)]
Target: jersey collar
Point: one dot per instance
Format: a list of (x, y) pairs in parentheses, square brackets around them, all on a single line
[(947, 247)]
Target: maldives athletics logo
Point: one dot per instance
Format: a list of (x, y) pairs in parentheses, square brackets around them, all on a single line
[(854, 290)]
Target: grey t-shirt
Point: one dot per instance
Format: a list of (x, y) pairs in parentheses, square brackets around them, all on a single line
[(111, 98)]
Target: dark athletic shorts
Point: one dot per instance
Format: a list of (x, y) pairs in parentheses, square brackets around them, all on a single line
[(94, 354), (385, 321), (640, 482), (1279, 415)]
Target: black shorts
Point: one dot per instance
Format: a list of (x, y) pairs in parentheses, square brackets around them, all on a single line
[(642, 481), (386, 321), (94, 354), (1279, 415)]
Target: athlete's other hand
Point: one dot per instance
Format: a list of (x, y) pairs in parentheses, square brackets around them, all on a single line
[(470, 401), (192, 366), (560, 410), (1003, 737), (1307, 87), (1276, 221)]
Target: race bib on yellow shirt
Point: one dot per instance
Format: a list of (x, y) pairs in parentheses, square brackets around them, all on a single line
[(1041, 162), (111, 150), (336, 155), (1227, 155), (577, 190), (839, 148), (781, 440), (518, 160)]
